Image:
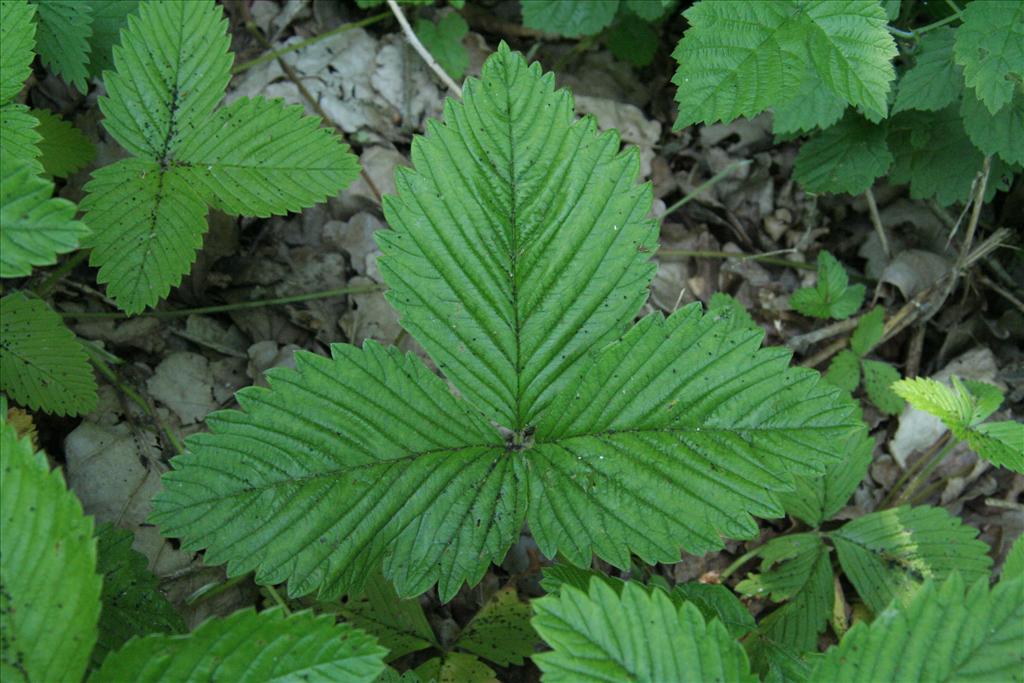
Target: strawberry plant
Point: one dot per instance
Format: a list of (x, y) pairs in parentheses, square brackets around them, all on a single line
[(826, 69)]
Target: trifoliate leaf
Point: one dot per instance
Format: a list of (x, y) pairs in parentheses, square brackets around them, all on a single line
[(1001, 133), (818, 499), (832, 297), (870, 329), (933, 153), (886, 555), (632, 39), (844, 371), (63, 149), (570, 18), (51, 593), (516, 274), (738, 59), (508, 271), (724, 306), (846, 157), (651, 10), (990, 47), (399, 625), (878, 379), (62, 39), (249, 647), (19, 138), (814, 106), (716, 602), (935, 81), (455, 667), (1001, 443), (254, 156), (108, 18), (443, 40), (17, 40), (500, 632), (35, 226), (679, 415), (796, 569), (638, 636), (388, 477), (942, 635), (42, 364), (132, 602)]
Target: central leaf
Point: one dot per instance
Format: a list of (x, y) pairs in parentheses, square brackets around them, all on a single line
[(518, 256)]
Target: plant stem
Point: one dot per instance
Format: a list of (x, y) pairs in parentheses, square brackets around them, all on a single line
[(911, 471), (210, 590), (245, 66), (278, 599), (47, 285), (922, 476), (710, 182), (739, 562), (225, 308), (876, 221), (671, 254), (941, 22)]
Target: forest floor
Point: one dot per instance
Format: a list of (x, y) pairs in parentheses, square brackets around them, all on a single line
[(751, 232)]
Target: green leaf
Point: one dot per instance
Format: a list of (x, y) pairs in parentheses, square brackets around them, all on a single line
[(443, 40), (886, 555), (399, 625), (933, 153), (846, 157), (985, 397), (413, 475), (638, 636), (62, 39), (892, 9), (726, 307), (498, 235), (501, 631), (683, 429), (878, 379), (844, 371), (149, 225), (249, 647), (776, 662), (558, 575), (35, 226), (869, 331), (716, 602), (832, 297), (955, 408), (570, 18), (63, 149), (935, 81), (1013, 568), (813, 106), (817, 499), (632, 39), (17, 41), (455, 667), (19, 138), (392, 676), (651, 10), (990, 47), (253, 157), (942, 635), (51, 593), (795, 569), (132, 602), (108, 18), (1001, 443), (42, 364), (1001, 133), (738, 59)]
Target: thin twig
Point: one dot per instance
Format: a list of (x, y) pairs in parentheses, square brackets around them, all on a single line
[(423, 52), (225, 308), (677, 254), (876, 220), (826, 353), (696, 192), (1006, 294), (800, 342), (978, 201)]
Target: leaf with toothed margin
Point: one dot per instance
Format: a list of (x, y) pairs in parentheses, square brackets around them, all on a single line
[(518, 255)]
